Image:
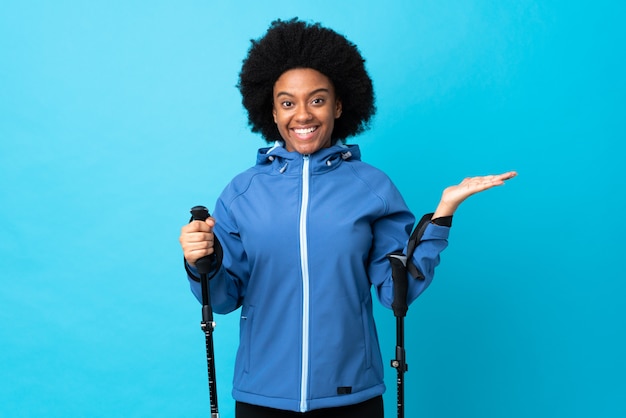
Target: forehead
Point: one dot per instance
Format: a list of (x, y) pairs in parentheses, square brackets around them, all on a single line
[(302, 81)]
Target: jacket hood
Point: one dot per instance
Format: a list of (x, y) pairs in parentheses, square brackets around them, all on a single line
[(325, 159)]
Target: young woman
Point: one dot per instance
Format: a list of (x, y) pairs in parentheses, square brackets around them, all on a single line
[(305, 233)]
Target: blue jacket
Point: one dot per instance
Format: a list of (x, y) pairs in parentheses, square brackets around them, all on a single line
[(304, 239)]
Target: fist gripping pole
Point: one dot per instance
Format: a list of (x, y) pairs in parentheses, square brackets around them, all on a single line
[(204, 265)]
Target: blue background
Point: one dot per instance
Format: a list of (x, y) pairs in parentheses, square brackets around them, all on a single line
[(116, 117)]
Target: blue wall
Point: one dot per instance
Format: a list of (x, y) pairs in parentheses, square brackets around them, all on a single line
[(117, 117)]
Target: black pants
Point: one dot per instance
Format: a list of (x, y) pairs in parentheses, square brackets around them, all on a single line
[(372, 408)]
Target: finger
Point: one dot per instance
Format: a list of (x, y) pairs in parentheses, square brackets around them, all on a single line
[(196, 226), (199, 245), (480, 182), (498, 180), (194, 237), (194, 250), (491, 180), (508, 175), (196, 241), (491, 177), (503, 176), (195, 255)]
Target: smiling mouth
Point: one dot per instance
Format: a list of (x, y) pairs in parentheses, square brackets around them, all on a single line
[(305, 131)]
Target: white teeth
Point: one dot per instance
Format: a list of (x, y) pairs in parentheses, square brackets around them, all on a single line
[(304, 131)]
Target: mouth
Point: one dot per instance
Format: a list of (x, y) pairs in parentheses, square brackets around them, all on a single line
[(305, 133)]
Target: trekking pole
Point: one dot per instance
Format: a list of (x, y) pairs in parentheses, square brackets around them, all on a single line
[(401, 266), (200, 213), (400, 307)]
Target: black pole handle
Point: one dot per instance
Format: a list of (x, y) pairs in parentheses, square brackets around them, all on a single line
[(201, 213), (400, 284)]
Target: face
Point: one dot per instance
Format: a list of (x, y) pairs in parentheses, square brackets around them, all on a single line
[(305, 109)]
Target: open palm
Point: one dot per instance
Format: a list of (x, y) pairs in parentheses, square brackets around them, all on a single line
[(453, 196)]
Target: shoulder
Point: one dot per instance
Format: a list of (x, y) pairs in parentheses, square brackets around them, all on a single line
[(373, 177), (375, 183), (369, 174), (241, 183)]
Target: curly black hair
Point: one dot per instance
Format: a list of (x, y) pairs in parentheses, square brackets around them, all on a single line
[(297, 44)]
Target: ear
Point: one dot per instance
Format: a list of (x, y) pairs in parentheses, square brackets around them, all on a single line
[(274, 112), (338, 108)]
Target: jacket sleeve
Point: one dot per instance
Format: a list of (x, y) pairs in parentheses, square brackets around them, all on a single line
[(227, 285), (426, 257), (391, 232)]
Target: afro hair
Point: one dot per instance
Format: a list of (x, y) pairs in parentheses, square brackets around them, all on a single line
[(296, 44)]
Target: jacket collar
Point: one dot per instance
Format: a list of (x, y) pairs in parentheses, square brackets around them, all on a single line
[(326, 159)]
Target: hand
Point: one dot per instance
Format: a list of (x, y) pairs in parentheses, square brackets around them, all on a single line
[(453, 196), (197, 240)]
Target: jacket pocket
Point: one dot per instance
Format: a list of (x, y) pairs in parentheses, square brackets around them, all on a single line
[(367, 334), (245, 337)]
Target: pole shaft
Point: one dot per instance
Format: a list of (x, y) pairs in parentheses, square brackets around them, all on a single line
[(402, 366)]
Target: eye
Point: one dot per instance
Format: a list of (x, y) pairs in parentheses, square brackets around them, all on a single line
[(318, 101), (286, 104)]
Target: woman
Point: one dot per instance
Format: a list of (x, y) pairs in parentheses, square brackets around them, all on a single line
[(305, 233)]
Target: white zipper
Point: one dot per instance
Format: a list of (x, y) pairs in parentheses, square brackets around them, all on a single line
[(304, 265)]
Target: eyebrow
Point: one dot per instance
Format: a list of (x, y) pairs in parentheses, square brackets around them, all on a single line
[(314, 92)]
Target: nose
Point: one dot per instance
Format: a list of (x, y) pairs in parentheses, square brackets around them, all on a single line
[(303, 114)]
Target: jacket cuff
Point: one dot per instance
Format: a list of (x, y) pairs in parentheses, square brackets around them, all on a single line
[(192, 272), (443, 221)]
